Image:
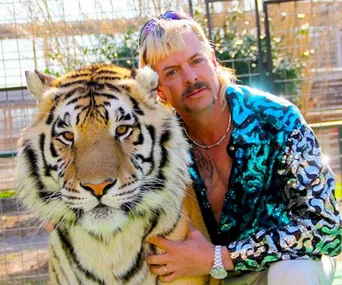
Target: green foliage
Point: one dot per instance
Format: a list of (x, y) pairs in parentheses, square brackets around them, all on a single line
[(117, 50), (49, 72), (108, 48), (7, 194), (236, 46)]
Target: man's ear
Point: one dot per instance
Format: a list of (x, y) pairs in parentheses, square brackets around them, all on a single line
[(160, 93), (214, 59), (37, 83), (162, 98)]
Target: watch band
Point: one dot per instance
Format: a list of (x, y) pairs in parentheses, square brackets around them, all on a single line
[(218, 271), (218, 256)]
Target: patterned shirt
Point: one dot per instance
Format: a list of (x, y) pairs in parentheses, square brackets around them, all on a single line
[(280, 202)]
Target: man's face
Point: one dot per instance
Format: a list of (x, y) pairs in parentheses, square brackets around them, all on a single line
[(187, 79)]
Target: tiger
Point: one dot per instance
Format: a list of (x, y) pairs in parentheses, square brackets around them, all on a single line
[(107, 164)]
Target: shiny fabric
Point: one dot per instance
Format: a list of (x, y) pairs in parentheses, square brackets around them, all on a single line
[(280, 202)]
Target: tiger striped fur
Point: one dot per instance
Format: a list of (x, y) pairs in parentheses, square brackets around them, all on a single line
[(107, 165)]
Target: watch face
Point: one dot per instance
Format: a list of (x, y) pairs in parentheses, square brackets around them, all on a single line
[(218, 272)]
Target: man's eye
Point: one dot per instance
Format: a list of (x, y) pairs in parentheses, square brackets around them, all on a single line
[(197, 60), (171, 72)]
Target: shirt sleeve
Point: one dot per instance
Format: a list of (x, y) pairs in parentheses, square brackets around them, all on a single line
[(315, 227)]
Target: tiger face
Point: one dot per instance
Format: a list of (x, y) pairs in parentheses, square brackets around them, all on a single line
[(101, 150)]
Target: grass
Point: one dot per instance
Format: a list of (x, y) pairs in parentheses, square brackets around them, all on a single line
[(7, 194)]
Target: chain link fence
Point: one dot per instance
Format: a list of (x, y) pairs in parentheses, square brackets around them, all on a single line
[(299, 41)]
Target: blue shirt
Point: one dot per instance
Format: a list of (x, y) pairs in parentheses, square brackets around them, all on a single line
[(280, 202)]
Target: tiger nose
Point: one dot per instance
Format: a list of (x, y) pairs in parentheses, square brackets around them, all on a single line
[(98, 190)]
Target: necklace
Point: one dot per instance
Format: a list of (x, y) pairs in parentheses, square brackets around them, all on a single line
[(213, 145)]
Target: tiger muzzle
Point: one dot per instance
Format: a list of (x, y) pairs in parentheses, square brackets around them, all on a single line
[(98, 190)]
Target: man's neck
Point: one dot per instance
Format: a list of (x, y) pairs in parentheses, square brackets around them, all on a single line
[(207, 127)]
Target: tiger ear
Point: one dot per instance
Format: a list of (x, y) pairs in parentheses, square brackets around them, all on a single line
[(37, 83), (148, 80)]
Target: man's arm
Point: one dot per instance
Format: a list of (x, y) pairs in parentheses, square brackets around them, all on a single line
[(315, 227)]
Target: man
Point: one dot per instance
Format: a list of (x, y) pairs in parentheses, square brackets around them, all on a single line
[(265, 192)]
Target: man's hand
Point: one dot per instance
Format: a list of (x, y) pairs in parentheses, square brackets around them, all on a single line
[(192, 257)]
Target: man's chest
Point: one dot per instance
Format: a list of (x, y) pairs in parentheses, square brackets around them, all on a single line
[(214, 170), (213, 166)]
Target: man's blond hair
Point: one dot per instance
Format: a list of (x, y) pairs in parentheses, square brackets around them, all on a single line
[(165, 38)]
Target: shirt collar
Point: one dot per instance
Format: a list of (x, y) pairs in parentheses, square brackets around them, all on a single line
[(246, 126)]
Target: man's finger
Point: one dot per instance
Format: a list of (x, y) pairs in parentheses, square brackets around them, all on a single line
[(169, 277), (158, 270), (193, 233), (157, 259), (160, 242)]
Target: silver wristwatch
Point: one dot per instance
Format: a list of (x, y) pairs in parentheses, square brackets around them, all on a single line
[(218, 271)]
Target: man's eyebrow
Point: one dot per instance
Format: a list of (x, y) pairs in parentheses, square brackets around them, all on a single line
[(191, 58), (169, 67)]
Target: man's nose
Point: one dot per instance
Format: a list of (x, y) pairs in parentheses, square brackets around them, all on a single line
[(189, 75)]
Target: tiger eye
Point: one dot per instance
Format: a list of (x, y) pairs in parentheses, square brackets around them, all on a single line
[(121, 130), (68, 136)]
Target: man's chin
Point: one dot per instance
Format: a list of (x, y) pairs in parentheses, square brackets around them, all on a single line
[(104, 220), (200, 105)]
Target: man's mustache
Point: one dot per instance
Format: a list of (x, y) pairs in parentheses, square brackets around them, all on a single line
[(193, 88)]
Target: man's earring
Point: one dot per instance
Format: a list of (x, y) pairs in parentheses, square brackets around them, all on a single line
[(162, 100)]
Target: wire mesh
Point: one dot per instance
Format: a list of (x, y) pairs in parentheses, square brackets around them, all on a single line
[(306, 58), (310, 31), (23, 246), (55, 36)]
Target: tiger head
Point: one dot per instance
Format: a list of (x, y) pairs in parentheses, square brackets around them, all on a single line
[(101, 149)]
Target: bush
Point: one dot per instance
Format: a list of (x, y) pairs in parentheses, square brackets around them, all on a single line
[(117, 50), (236, 46)]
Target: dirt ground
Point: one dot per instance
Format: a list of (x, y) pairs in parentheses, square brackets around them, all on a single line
[(23, 246)]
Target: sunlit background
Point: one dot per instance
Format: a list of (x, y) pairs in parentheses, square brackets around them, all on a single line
[(291, 48)]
